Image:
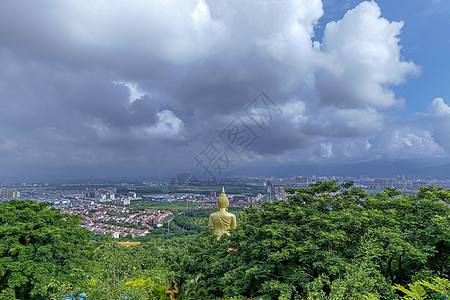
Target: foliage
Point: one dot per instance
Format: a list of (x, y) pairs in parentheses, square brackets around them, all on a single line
[(197, 220), (120, 272), (41, 251), (328, 230), (146, 289), (191, 223), (195, 257), (327, 242), (195, 288), (439, 288), (361, 280)]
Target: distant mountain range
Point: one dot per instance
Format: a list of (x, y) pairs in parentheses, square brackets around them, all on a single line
[(411, 169)]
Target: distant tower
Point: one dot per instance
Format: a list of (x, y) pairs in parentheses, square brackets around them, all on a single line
[(269, 191)]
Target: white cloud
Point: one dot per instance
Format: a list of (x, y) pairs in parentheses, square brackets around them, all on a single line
[(135, 92), (438, 117), (363, 60), (295, 112), (361, 120), (406, 143), (439, 108), (201, 14), (292, 39), (350, 122), (323, 151), (168, 126)]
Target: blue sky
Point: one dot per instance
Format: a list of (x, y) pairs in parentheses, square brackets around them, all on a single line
[(131, 88), (425, 39)]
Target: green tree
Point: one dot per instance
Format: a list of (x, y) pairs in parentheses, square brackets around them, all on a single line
[(40, 250), (361, 280), (200, 256), (321, 231), (437, 288), (118, 272), (195, 288)]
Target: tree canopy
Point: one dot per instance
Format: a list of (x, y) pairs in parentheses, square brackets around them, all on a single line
[(41, 250), (330, 239)]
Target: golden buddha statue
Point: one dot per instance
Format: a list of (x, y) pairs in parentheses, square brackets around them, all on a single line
[(222, 220)]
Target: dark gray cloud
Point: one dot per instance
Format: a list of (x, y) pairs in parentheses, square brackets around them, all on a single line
[(146, 86)]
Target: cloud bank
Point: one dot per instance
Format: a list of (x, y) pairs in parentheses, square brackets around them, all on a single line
[(144, 86)]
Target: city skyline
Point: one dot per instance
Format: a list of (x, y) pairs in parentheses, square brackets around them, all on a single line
[(99, 89)]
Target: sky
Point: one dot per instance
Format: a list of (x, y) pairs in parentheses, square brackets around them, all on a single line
[(153, 88)]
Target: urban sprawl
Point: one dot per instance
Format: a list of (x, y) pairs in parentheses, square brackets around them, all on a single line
[(105, 211)]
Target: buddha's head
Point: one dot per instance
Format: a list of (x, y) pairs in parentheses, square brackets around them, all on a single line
[(222, 201)]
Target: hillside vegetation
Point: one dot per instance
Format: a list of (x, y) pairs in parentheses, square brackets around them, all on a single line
[(327, 242)]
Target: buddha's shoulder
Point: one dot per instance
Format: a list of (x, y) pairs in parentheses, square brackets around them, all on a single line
[(229, 214)]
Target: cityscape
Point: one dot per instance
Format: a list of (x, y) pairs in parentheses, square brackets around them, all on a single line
[(239, 150), (104, 210), (94, 218), (67, 195)]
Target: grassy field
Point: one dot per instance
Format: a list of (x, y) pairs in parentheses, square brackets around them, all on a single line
[(197, 220)]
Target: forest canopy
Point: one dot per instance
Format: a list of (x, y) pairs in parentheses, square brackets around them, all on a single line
[(328, 241), (40, 250)]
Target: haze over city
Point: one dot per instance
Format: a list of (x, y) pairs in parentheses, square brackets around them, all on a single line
[(136, 88)]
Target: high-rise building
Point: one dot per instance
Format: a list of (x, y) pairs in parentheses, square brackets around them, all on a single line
[(269, 191), (9, 193), (279, 190)]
